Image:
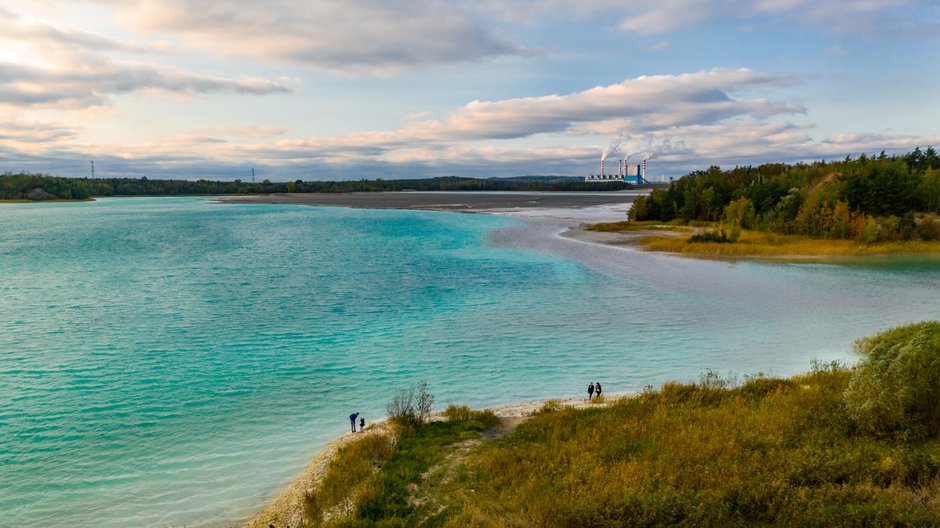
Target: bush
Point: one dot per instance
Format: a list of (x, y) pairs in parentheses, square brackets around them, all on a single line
[(709, 236), (464, 414), (411, 407), (927, 228), (897, 387)]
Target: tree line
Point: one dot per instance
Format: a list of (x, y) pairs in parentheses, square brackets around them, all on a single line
[(43, 187), (869, 198)]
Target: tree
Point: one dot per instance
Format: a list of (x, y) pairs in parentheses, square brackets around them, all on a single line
[(870, 233), (929, 189), (737, 215)]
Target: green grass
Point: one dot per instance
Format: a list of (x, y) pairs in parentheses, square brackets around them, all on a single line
[(767, 453), (372, 482), (821, 449)]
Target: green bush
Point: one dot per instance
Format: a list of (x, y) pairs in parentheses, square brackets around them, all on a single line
[(896, 388), (411, 407), (464, 414), (709, 236)]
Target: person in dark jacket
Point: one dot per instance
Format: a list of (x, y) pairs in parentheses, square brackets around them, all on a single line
[(352, 420), (597, 389), (362, 424), (590, 391)]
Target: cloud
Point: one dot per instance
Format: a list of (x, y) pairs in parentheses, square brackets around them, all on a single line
[(703, 116), (51, 65), (888, 18), (247, 131), (30, 130), (96, 82), (49, 34), (870, 18), (644, 103), (355, 37)]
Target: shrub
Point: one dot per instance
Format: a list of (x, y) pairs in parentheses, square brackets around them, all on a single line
[(709, 236), (464, 414), (411, 407), (927, 228), (897, 386)]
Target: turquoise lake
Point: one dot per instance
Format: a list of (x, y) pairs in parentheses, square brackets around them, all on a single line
[(173, 361)]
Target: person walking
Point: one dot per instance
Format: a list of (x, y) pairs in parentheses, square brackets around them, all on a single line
[(597, 389), (590, 391), (352, 420), (362, 424)]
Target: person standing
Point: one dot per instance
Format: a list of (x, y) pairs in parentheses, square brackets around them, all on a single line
[(362, 424), (597, 389), (352, 420), (590, 391)]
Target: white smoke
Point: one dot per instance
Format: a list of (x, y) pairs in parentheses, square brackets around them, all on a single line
[(646, 148)]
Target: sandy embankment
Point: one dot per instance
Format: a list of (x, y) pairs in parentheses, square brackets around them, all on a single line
[(287, 507)]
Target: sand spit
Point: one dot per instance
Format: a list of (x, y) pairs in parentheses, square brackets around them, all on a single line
[(287, 507), (464, 201)]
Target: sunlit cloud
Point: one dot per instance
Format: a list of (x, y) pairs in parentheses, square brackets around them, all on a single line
[(370, 37)]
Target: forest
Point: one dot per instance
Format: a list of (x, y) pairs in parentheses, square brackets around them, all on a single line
[(37, 187), (869, 198)]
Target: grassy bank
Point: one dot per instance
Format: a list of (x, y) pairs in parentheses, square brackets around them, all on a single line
[(833, 447), (759, 244)]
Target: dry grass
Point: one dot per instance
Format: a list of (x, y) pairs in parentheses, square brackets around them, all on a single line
[(771, 245), (768, 453), (630, 226)]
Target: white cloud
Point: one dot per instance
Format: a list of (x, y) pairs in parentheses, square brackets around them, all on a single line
[(643, 103), (53, 65), (356, 37)]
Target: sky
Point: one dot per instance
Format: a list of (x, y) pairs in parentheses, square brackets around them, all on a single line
[(330, 90)]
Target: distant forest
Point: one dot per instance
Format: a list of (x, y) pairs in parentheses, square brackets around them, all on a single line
[(41, 187), (867, 198)]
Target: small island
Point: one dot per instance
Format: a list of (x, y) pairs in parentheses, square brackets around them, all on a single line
[(879, 205)]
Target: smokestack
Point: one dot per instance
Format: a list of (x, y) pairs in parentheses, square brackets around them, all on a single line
[(620, 168), (644, 170), (602, 167)]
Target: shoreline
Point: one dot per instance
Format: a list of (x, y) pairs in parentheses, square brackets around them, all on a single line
[(577, 210), (453, 201), (286, 509)]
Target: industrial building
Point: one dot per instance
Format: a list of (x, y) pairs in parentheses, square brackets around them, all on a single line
[(627, 172)]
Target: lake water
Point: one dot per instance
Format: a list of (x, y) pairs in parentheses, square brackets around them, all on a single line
[(171, 361)]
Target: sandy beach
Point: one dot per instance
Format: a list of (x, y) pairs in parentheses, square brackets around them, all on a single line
[(287, 508)]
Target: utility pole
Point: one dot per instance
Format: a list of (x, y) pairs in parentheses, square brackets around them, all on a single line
[(93, 169)]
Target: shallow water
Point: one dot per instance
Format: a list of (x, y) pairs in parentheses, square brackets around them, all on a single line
[(172, 361)]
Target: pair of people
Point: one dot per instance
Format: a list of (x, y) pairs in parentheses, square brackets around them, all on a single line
[(352, 422), (594, 388)]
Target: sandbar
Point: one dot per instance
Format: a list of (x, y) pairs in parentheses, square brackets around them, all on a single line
[(463, 201)]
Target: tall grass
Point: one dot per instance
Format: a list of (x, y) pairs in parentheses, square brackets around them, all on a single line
[(766, 452), (372, 482), (762, 452), (761, 244), (634, 225)]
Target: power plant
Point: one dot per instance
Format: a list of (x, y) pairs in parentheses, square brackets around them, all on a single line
[(627, 172)]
